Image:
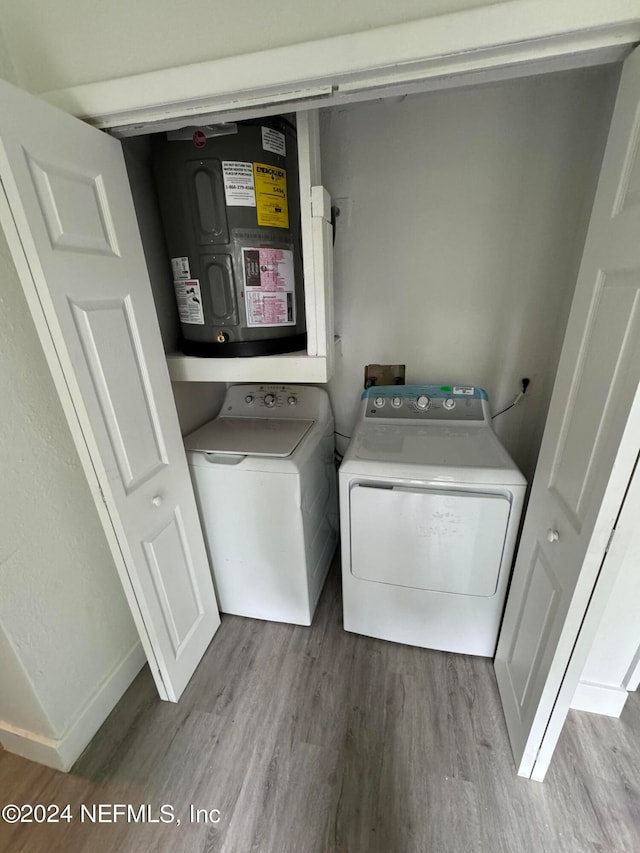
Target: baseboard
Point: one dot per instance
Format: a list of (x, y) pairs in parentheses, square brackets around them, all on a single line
[(63, 752), (599, 699), (632, 681)]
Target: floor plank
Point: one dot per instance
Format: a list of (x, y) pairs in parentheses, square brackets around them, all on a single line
[(312, 740)]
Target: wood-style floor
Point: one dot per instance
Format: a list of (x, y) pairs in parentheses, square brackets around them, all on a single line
[(317, 740)]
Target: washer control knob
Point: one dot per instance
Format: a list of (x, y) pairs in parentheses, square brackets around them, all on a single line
[(396, 402), (423, 402), (449, 403), (249, 399), (292, 400), (269, 400), (379, 401)]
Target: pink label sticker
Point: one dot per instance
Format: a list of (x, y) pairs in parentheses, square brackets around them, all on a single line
[(199, 139)]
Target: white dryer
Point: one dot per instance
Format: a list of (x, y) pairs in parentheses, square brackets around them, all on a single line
[(430, 504), (264, 477)]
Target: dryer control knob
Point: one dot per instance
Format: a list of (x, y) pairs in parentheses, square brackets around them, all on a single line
[(396, 402), (248, 399), (423, 402), (449, 403), (379, 401), (292, 400), (269, 400)]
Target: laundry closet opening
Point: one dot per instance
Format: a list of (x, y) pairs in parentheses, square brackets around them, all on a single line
[(462, 217)]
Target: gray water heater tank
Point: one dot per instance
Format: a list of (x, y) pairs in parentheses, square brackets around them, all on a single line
[(229, 200)]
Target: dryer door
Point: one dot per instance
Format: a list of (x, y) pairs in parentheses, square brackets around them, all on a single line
[(442, 540)]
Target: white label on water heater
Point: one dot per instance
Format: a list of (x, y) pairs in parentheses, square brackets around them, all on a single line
[(271, 309), (274, 141), (189, 302), (239, 189), (181, 269), (269, 287)]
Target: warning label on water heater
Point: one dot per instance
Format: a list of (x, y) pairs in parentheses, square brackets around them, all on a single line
[(269, 287), (239, 189), (189, 302), (274, 141)]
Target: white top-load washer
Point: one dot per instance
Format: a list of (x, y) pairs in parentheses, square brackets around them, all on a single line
[(264, 477), (430, 504)]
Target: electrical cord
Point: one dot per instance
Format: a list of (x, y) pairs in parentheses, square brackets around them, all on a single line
[(506, 409), (525, 384), (338, 457)]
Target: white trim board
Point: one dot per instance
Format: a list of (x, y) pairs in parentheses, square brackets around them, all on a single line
[(62, 753), (473, 40), (295, 367), (599, 699), (394, 85)]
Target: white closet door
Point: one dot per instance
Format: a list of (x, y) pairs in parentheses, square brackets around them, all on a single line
[(588, 450), (69, 219)]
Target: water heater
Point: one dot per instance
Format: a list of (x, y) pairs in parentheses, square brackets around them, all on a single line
[(229, 200)]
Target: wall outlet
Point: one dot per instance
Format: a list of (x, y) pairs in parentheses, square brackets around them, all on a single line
[(532, 381), (343, 211)]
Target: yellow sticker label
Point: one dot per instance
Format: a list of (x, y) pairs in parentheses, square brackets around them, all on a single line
[(271, 195)]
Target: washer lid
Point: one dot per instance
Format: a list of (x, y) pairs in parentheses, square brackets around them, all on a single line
[(249, 436)]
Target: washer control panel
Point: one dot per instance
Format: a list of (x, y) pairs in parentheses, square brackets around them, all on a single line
[(426, 402), (274, 401)]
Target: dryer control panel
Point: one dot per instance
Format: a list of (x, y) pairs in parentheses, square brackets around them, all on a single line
[(427, 402)]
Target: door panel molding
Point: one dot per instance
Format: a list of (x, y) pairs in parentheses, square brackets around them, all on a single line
[(628, 194), (538, 561), (67, 230), (170, 563), (147, 435), (615, 319)]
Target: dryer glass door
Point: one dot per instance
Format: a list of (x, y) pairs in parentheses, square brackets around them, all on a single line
[(437, 539)]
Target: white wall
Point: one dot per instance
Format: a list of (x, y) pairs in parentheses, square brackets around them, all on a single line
[(459, 255), (54, 45), (197, 403), (68, 646)]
